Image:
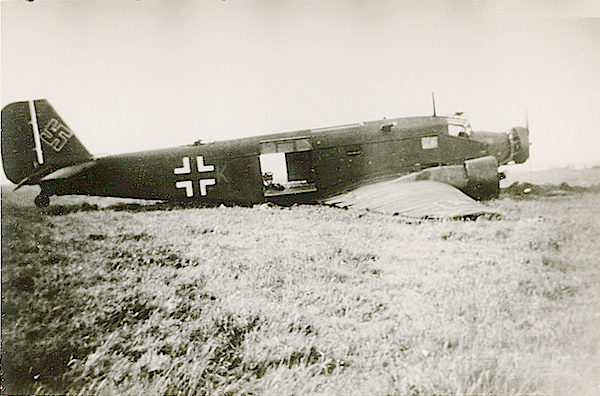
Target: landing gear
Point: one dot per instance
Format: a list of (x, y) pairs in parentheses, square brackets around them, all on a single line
[(42, 201)]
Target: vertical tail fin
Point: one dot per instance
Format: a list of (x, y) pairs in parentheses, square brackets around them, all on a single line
[(36, 142)]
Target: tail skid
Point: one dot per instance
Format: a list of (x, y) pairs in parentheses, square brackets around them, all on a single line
[(37, 142)]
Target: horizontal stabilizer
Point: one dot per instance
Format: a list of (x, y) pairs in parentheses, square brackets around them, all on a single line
[(421, 199), (69, 171)]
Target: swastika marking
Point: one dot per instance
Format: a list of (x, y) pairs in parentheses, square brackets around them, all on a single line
[(56, 134)]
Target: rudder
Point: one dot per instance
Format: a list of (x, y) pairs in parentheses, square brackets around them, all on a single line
[(36, 142)]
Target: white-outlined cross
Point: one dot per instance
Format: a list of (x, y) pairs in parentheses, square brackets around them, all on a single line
[(188, 184)]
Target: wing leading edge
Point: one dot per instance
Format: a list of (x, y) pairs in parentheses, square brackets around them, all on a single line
[(419, 199)]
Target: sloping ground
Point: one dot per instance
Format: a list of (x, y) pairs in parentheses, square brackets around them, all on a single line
[(304, 300)]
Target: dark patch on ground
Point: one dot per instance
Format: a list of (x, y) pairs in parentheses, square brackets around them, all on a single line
[(529, 191), (61, 210)]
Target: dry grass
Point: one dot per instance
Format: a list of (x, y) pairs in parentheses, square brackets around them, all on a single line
[(305, 300)]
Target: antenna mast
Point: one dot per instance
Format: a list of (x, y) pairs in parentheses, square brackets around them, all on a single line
[(433, 100)]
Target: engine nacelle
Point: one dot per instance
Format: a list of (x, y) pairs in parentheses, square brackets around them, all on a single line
[(478, 178), (483, 179)]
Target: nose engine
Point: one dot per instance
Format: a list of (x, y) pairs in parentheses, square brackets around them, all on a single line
[(519, 144)]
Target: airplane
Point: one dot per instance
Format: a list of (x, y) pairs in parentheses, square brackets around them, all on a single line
[(425, 166)]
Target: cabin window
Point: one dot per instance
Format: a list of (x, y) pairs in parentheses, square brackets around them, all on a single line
[(457, 131), (268, 148), (286, 166), (303, 145), (429, 142), (285, 146), (459, 128)]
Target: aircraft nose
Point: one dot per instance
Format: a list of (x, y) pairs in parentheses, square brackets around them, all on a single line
[(519, 144)]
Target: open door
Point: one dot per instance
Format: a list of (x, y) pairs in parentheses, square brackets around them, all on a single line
[(286, 166)]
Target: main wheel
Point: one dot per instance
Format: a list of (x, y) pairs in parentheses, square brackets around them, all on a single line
[(42, 201)]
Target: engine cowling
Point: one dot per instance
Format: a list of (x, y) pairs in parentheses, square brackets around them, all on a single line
[(483, 179), (519, 144), (478, 178)]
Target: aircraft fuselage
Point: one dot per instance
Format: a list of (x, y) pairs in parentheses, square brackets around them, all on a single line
[(301, 166)]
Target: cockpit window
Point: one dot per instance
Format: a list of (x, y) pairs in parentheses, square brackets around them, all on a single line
[(459, 128)]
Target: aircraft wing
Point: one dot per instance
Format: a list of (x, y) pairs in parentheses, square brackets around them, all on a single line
[(419, 199)]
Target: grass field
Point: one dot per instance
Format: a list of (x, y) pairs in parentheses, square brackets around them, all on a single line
[(105, 298)]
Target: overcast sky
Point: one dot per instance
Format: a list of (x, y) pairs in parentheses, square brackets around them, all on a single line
[(138, 75)]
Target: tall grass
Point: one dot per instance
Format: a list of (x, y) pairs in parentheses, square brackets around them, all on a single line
[(301, 300)]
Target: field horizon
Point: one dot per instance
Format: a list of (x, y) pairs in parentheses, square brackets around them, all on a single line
[(118, 297)]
